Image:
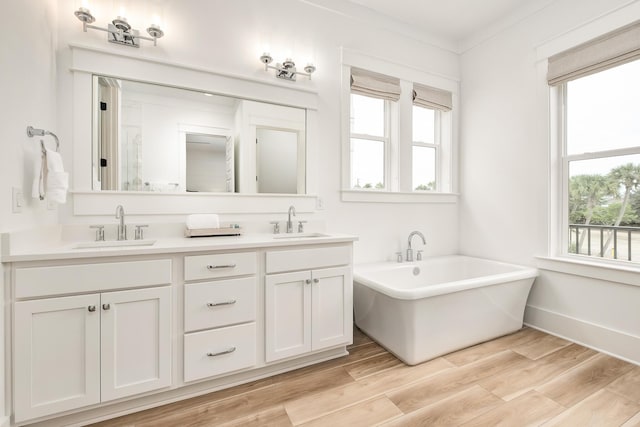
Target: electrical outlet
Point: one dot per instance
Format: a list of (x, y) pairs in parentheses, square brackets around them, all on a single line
[(319, 203), (17, 199)]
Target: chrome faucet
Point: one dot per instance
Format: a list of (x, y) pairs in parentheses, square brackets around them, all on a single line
[(409, 250), (122, 228), (289, 223)]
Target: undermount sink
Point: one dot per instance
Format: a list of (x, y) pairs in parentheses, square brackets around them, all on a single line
[(113, 244), (299, 235)]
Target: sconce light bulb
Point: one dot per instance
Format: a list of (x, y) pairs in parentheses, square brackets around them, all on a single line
[(84, 15), (121, 23), (310, 68), (155, 31), (266, 58)]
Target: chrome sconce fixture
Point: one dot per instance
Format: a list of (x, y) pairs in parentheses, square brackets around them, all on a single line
[(119, 30), (286, 70)]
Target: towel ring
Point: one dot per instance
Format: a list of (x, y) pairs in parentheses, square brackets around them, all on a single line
[(31, 132)]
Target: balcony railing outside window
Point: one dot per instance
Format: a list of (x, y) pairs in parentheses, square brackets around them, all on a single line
[(605, 241)]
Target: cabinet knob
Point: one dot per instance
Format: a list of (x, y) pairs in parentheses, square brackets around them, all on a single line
[(91, 308), (106, 306), (308, 281), (316, 280)]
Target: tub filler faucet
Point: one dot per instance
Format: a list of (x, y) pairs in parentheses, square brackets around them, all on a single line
[(410, 251)]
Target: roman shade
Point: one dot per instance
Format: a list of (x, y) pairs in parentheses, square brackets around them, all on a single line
[(374, 85), (430, 97), (607, 51)]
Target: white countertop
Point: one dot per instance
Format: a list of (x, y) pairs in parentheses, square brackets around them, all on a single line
[(65, 250)]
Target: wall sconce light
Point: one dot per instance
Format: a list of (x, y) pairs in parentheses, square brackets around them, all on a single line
[(119, 30), (286, 70)]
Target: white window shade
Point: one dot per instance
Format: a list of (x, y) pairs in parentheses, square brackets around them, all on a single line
[(607, 51), (430, 97), (374, 85)]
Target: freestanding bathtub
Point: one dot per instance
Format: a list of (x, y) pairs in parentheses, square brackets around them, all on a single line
[(422, 310)]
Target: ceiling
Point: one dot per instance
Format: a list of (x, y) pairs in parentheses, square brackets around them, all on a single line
[(450, 21)]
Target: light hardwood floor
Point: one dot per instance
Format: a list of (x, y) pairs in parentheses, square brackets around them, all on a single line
[(527, 378)]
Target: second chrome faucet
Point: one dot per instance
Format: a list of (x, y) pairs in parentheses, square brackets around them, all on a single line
[(122, 228), (410, 250)]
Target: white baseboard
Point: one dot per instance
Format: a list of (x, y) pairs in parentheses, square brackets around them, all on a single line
[(600, 338)]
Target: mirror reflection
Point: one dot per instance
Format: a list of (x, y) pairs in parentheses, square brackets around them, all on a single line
[(157, 138)]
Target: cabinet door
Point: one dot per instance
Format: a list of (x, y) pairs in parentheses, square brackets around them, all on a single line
[(332, 307), (288, 315), (136, 341), (56, 355)]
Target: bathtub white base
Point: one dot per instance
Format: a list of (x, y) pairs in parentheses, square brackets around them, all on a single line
[(422, 329)]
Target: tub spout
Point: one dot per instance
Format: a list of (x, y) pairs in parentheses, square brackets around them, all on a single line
[(409, 250)]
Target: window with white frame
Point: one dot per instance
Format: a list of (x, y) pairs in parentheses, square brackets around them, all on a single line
[(370, 142), (599, 116), (384, 156)]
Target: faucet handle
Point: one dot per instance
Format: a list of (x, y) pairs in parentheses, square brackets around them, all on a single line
[(419, 255), (399, 256), (276, 227), (99, 232), (140, 232), (301, 226)]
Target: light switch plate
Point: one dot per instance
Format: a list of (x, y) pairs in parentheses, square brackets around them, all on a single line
[(17, 200)]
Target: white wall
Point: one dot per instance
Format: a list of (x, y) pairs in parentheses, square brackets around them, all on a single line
[(28, 88), (505, 172), (229, 37)]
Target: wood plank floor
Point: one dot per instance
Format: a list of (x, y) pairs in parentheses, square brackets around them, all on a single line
[(528, 378)]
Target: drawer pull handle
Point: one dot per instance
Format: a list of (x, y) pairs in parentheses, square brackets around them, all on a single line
[(220, 353), (316, 280), (217, 304), (106, 306), (217, 267), (92, 308)]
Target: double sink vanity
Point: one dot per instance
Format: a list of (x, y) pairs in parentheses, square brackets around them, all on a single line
[(103, 329)]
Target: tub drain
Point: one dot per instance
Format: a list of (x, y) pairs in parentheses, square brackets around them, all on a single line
[(416, 271)]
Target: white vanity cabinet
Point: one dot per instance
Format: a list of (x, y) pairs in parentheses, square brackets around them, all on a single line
[(74, 351), (112, 331), (309, 309), (219, 314)]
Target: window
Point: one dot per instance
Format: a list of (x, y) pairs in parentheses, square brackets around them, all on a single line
[(399, 137), (369, 142), (600, 152), (424, 150)]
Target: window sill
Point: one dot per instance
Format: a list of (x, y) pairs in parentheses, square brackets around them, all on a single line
[(396, 197), (608, 271)]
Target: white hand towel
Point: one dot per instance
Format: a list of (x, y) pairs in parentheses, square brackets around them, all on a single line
[(198, 221), (37, 188), (57, 179)]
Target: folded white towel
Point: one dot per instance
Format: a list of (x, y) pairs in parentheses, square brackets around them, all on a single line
[(57, 180), (198, 221), (37, 188)]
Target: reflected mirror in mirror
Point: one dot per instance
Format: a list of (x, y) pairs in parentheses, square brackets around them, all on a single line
[(157, 138)]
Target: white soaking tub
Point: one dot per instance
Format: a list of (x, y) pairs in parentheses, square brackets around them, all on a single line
[(422, 310)]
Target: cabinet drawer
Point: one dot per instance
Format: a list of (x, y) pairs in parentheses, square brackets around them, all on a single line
[(219, 265), (214, 304), (66, 279), (306, 259), (216, 352)]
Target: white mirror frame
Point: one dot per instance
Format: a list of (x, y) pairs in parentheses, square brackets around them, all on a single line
[(85, 62)]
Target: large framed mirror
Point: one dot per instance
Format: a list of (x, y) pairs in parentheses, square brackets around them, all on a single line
[(155, 138)]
